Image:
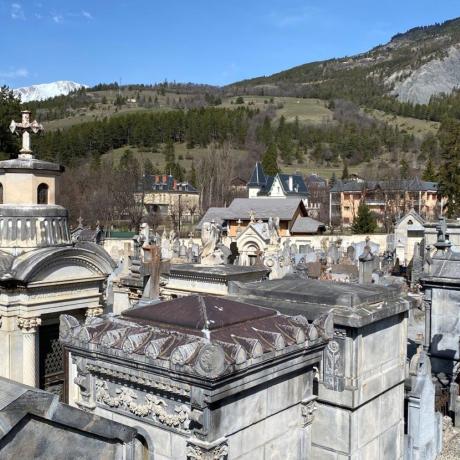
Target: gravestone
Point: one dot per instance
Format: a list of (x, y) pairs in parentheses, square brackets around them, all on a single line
[(424, 424)]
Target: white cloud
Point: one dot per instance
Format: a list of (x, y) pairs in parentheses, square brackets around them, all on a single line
[(17, 12), (14, 73), (57, 18), (87, 14)]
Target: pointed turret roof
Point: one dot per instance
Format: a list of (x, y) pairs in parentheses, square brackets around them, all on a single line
[(258, 177)]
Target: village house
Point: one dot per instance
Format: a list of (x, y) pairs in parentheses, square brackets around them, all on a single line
[(165, 196), (388, 200), (281, 185), (293, 216)]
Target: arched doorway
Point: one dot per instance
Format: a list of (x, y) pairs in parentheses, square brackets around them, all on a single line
[(249, 253)]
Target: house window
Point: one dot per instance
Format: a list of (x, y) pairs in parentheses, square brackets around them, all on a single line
[(42, 194), (1, 193)]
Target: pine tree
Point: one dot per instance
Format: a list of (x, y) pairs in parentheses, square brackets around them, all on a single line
[(404, 169), (192, 175), (332, 180), (429, 174), (149, 169), (345, 174), (269, 162), (10, 109), (365, 221), (449, 173)]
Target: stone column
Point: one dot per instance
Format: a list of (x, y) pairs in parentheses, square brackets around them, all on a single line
[(30, 350), (308, 407), (201, 450)]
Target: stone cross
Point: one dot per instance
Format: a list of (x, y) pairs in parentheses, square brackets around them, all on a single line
[(24, 129)]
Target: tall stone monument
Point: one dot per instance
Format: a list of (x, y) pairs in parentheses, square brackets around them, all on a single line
[(42, 273)]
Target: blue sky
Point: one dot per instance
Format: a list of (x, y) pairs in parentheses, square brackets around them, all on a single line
[(206, 41)]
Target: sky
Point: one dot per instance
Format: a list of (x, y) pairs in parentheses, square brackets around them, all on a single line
[(201, 41)]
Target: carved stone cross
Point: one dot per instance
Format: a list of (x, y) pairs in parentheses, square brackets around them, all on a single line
[(24, 129)]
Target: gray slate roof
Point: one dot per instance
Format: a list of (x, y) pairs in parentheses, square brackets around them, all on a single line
[(240, 208), (412, 185), (307, 225), (258, 177), (265, 182)]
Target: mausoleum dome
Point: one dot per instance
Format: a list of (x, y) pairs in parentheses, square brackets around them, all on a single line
[(29, 216)]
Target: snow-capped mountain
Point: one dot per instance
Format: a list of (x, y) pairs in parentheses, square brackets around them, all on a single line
[(47, 90)]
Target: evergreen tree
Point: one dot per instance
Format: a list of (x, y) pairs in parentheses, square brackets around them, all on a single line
[(449, 173), (149, 169), (332, 180), (404, 169), (345, 174), (192, 175), (365, 221), (269, 162), (10, 109), (429, 174)]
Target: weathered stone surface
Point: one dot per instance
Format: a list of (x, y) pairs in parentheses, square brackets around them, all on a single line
[(35, 425)]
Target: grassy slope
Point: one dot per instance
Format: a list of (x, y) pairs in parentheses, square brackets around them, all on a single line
[(157, 158), (307, 111)]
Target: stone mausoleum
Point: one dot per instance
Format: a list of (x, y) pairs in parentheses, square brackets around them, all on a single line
[(201, 377), (361, 377), (42, 273)]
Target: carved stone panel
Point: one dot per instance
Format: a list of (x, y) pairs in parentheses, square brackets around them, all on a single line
[(145, 405), (197, 450), (334, 363)]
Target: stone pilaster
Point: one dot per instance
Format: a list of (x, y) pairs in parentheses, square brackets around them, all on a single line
[(308, 407), (200, 450), (30, 353), (85, 385)]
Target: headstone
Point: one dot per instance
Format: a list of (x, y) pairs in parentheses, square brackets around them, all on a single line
[(368, 262), (424, 425)]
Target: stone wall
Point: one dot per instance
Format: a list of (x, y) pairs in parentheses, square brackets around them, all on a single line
[(364, 416), (445, 329)]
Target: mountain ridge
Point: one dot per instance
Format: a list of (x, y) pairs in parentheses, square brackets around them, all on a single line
[(413, 66), (42, 91)]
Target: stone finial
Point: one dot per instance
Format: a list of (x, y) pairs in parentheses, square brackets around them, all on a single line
[(442, 242), (24, 129)]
